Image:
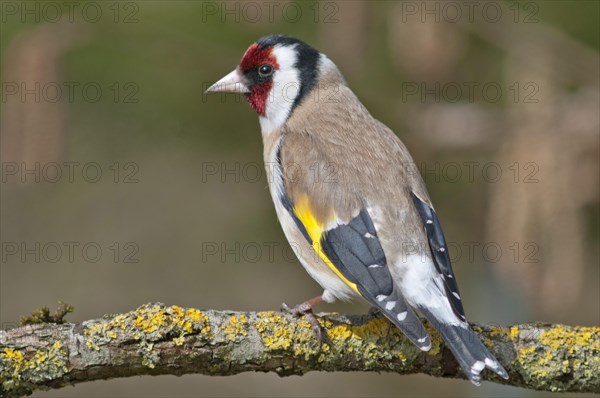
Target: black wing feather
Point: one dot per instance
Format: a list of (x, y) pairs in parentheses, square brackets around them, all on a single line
[(439, 252), (356, 252)]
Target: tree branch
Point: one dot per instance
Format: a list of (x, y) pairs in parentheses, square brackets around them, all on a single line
[(156, 339)]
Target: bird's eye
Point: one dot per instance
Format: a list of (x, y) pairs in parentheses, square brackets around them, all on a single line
[(265, 70)]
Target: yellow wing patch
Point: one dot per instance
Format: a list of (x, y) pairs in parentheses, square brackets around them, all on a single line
[(315, 230)]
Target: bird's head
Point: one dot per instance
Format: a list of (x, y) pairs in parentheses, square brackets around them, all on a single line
[(275, 74)]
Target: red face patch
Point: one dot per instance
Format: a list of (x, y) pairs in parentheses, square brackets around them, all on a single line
[(254, 57), (258, 97)]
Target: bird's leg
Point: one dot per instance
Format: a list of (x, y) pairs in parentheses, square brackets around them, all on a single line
[(375, 312), (305, 309)]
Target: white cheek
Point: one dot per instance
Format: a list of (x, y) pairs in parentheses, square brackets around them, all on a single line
[(286, 86), (290, 91)]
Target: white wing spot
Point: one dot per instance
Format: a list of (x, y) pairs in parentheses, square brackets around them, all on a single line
[(429, 222), (374, 266), (389, 305), (442, 249), (402, 316), (450, 276), (477, 367), (422, 339), (492, 364), (381, 297), (368, 235), (456, 295)]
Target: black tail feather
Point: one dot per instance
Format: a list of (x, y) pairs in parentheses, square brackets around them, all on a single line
[(468, 349)]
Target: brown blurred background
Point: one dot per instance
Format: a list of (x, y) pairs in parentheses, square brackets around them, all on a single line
[(122, 184)]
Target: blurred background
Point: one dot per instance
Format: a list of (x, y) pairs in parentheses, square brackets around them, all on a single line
[(123, 184)]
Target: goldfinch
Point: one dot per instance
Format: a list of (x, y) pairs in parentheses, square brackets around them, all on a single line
[(348, 200)]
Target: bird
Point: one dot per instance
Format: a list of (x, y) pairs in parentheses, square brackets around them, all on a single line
[(349, 200)]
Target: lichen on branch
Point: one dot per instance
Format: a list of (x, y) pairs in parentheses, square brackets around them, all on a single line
[(156, 339)]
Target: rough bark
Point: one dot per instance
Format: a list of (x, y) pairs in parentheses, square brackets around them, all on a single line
[(157, 339)]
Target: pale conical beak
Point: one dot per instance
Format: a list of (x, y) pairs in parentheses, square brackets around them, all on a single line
[(234, 82)]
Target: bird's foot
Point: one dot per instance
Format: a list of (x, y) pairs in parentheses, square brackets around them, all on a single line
[(305, 309), (375, 312)]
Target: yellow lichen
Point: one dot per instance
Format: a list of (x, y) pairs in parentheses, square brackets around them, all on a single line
[(574, 338), (237, 326), (402, 357), (494, 331), (514, 333), (20, 370), (363, 340), (340, 332), (195, 315), (373, 329), (179, 340), (13, 355), (436, 340), (556, 353), (149, 322), (177, 311), (274, 331), (367, 339)]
